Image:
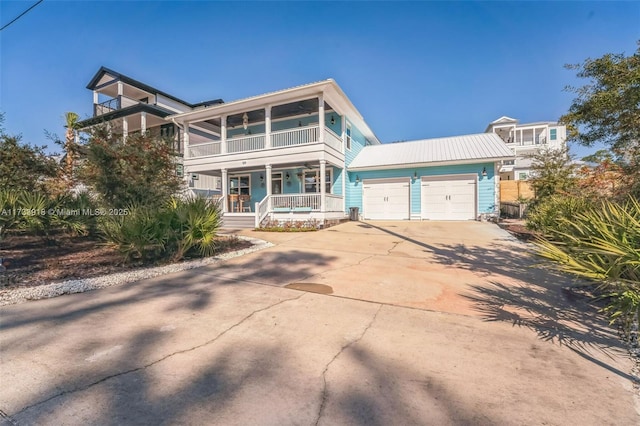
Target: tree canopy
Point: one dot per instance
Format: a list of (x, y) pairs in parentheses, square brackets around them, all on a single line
[(23, 166), (141, 170), (607, 108)]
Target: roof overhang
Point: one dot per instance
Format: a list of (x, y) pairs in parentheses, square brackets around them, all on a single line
[(427, 164), (124, 112)]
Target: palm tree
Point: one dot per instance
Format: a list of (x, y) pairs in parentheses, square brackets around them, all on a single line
[(71, 120)]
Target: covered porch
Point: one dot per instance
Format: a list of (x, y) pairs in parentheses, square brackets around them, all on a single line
[(284, 192)]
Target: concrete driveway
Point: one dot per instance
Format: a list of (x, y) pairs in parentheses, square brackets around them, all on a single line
[(426, 323)]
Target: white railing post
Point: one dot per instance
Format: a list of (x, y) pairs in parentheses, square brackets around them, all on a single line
[(321, 117), (267, 127), (323, 187), (225, 182), (257, 209), (223, 134)]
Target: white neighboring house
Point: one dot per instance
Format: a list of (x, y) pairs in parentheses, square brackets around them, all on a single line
[(525, 139), (131, 106)]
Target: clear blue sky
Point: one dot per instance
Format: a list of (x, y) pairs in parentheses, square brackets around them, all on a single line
[(413, 69)]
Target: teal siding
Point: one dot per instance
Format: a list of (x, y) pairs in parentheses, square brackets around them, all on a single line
[(358, 141), (336, 184), (486, 184)]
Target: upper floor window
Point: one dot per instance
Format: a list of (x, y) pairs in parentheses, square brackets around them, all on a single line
[(553, 134), (348, 136)]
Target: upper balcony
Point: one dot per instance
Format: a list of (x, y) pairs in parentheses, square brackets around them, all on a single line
[(114, 104), (278, 147)]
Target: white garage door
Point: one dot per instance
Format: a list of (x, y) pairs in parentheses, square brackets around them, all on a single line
[(451, 197), (385, 199)]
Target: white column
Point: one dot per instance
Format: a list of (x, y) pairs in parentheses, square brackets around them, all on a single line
[(321, 119), (143, 121), (125, 129), (343, 133), (268, 180), (225, 183), (185, 153), (267, 126), (185, 141), (323, 191), (95, 96), (223, 134), (344, 189), (120, 88)]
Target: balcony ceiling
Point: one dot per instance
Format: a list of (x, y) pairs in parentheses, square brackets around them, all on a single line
[(307, 106), (128, 91)]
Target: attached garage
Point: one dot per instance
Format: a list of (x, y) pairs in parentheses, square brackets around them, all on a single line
[(451, 197), (386, 199)]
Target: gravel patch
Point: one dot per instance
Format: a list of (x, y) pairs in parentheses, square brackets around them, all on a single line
[(20, 295)]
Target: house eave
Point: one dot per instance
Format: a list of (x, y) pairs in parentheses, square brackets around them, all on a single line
[(427, 164)]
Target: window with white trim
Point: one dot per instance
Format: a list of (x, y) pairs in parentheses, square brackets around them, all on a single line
[(240, 184), (348, 136), (311, 181)]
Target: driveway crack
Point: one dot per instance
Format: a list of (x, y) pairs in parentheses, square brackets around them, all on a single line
[(133, 370), (326, 368)]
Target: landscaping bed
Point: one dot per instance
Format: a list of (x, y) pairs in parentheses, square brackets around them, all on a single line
[(31, 261)]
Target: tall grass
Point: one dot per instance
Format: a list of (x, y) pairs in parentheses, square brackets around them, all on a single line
[(602, 243)]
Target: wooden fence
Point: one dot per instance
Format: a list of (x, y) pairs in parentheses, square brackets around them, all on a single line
[(512, 190)]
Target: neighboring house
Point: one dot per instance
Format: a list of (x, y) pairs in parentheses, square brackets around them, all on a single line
[(130, 106), (525, 139), (306, 153)]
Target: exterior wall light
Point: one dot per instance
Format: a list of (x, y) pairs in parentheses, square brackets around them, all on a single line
[(333, 120), (357, 179), (245, 121), (415, 174), (484, 171), (287, 176)]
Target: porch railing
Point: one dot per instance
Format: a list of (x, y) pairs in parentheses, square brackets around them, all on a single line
[(295, 201), (333, 203), (245, 143), (279, 139), (204, 149), (299, 136), (262, 210), (333, 140)]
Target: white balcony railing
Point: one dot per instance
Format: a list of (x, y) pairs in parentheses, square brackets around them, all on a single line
[(295, 201), (290, 137), (279, 139), (333, 140), (245, 143), (204, 149)]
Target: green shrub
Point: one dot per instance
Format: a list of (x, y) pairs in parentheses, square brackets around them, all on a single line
[(180, 228), (194, 225), (39, 214), (140, 234), (550, 215), (602, 243)]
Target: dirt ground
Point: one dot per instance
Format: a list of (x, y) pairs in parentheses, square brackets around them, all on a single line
[(33, 261)]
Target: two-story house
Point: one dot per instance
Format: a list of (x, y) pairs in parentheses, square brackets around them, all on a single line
[(523, 140), (130, 106), (307, 153)]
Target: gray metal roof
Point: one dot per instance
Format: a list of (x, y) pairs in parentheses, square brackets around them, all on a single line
[(464, 149)]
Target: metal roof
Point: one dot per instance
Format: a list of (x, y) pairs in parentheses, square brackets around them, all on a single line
[(455, 149)]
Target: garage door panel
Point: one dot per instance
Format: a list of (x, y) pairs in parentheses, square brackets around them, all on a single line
[(449, 198), (386, 200)]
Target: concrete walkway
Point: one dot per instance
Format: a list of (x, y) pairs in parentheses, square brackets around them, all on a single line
[(426, 323)]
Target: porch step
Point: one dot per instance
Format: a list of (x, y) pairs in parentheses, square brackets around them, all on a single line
[(238, 222)]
